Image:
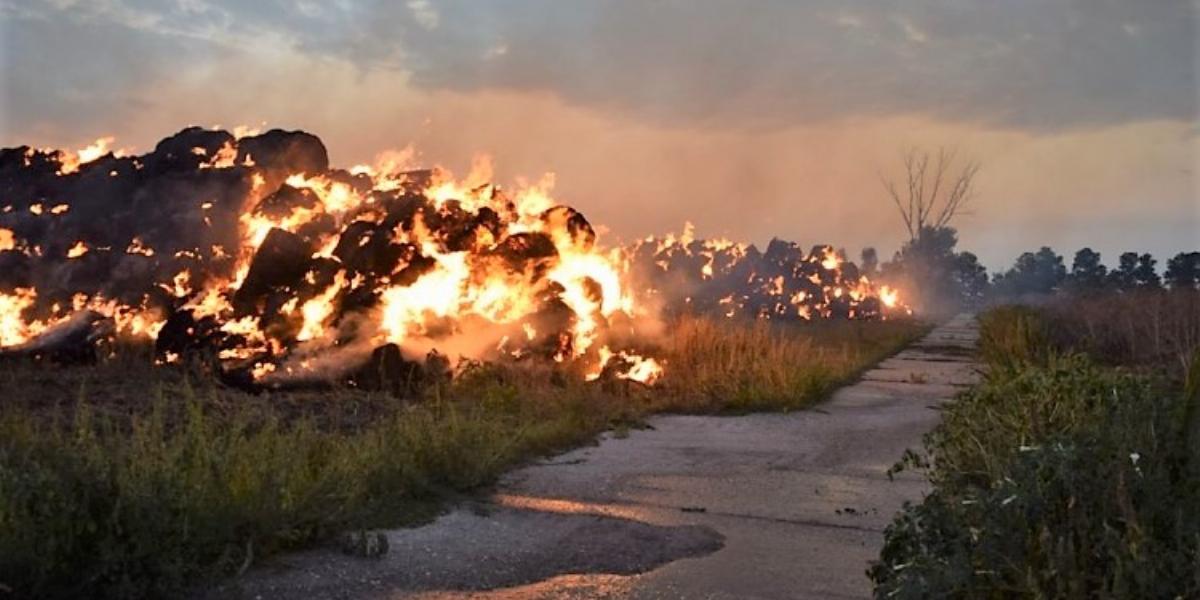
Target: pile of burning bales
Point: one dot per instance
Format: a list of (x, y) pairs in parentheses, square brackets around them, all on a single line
[(721, 277), (250, 255)]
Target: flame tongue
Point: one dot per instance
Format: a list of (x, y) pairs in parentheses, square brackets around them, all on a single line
[(14, 329)]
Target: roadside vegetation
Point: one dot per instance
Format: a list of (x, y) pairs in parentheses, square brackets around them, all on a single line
[(1073, 469), (128, 480)]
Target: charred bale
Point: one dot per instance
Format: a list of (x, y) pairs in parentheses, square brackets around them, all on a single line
[(15, 159), (366, 247), (72, 342), (416, 180), (239, 378), (186, 150), (14, 270), (185, 211), (573, 221), (88, 273), (286, 200), (849, 272), (521, 249), (839, 307), (402, 210), (869, 308), (416, 265), (388, 371), (359, 298), (285, 151), (281, 260), (465, 235), (361, 183), (322, 273), (317, 228), (183, 335), (449, 218), (129, 275), (780, 252)]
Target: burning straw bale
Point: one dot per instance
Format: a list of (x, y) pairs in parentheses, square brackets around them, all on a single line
[(721, 277), (255, 257)]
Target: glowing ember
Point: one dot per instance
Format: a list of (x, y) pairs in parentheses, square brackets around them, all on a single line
[(137, 247), (645, 370), (79, 249), (635, 367)]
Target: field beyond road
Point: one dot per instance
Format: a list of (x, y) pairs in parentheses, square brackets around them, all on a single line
[(129, 480)]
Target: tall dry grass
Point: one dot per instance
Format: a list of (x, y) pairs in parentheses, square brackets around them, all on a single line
[(1138, 328), (716, 365)]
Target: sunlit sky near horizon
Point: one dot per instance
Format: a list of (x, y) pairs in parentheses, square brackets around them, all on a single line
[(749, 119)]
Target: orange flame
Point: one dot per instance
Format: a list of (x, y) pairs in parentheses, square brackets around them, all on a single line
[(79, 249)]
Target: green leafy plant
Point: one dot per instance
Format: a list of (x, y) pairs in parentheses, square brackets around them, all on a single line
[(1056, 477)]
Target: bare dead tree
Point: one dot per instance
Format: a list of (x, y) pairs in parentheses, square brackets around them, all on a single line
[(935, 189)]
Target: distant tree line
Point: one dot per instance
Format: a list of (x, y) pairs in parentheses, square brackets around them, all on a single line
[(1044, 272), (939, 278)]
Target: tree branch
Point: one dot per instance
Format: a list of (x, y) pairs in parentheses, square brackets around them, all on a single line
[(933, 198)]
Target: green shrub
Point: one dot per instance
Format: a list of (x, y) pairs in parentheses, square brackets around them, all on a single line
[(1069, 520), (1054, 478), (982, 428)]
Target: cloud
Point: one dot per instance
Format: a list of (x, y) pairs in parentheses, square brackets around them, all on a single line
[(424, 13), (1022, 64), (756, 123)]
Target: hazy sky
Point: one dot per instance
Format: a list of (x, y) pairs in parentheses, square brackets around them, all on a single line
[(751, 119)]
